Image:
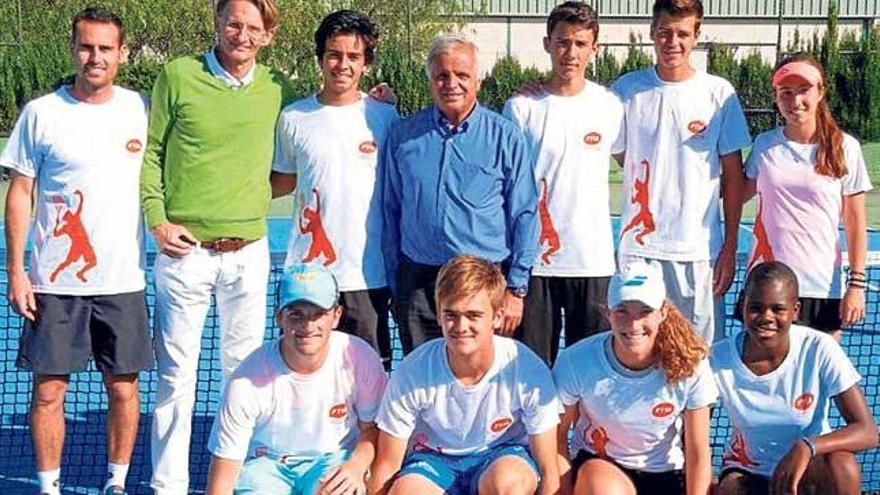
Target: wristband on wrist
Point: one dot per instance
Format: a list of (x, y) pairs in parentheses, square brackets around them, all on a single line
[(810, 445)]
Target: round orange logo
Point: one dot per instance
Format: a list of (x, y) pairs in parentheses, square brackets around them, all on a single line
[(134, 145), (592, 138), (500, 425), (803, 402), (338, 411), (697, 127), (367, 147), (663, 409)]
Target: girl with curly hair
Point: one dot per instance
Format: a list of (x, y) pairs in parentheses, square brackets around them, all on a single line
[(631, 392)]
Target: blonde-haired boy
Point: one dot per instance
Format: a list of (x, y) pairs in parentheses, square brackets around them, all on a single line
[(477, 410)]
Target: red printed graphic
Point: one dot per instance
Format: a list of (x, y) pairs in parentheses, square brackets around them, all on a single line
[(592, 138), (134, 145), (697, 127), (599, 439), (367, 147), (310, 223), (500, 425), (763, 252), (70, 224), (338, 411), (548, 231), (420, 444), (644, 215), (662, 410), (803, 402), (738, 453)]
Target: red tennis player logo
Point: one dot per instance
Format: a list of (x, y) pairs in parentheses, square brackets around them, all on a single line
[(549, 235), (643, 217), (70, 224), (738, 452), (599, 439), (763, 251), (311, 223)]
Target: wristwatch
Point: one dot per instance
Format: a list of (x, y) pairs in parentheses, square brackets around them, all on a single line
[(519, 292)]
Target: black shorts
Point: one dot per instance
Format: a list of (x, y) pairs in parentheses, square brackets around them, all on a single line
[(71, 329), (755, 483), (821, 314), (665, 483)]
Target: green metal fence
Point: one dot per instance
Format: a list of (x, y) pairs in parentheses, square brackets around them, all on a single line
[(802, 9)]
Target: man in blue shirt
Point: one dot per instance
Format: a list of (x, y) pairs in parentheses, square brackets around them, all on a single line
[(457, 180)]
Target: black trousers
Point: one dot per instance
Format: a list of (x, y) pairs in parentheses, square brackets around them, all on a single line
[(365, 314), (414, 309), (582, 298)]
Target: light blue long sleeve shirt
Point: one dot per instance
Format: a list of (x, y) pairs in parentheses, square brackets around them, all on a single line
[(463, 190)]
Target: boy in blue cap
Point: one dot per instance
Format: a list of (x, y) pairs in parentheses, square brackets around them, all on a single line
[(298, 414)]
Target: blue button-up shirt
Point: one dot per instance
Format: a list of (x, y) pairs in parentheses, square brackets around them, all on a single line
[(463, 190)]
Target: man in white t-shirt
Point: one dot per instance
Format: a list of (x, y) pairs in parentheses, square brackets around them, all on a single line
[(571, 155), (478, 411), (76, 153), (297, 415), (684, 132), (327, 147)]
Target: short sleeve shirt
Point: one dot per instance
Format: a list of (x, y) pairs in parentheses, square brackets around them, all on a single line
[(676, 133), (426, 404), (636, 421), (268, 409), (333, 150), (800, 210), (86, 159), (769, 413), (571, 140)]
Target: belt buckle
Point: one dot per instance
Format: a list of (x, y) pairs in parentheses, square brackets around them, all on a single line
[(225, 244)]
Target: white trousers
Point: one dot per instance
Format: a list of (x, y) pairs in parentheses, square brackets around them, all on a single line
[(184, 286), (689, 286)]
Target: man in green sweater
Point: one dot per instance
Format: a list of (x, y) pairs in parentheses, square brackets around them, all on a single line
[(205, 191)]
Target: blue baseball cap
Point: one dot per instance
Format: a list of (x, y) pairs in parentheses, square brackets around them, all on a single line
[(310, 283), (638, 281)]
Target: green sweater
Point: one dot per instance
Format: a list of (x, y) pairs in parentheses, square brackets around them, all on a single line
[(209, 150)]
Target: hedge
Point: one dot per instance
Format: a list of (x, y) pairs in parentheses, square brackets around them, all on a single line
[(169, 28)]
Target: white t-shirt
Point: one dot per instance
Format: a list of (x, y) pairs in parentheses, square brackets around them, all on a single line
[(634, 420), (426, 404), (268, 409), (769, 413), (86, 159), (800, 210), (572, 139), (333, 151), (675, 135)]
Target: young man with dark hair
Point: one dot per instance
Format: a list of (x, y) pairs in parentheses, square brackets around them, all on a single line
[(84, 294), (327, 146), (298, 415), (477, 410), (573, 127), (684, 132)]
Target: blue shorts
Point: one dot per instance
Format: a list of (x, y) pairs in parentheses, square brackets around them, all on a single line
[(286, 475), (460, 474)]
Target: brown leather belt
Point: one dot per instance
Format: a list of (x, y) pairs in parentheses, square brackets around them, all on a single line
[(226, 244)]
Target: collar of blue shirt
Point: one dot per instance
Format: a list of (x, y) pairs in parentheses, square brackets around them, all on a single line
[(447, 129)]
